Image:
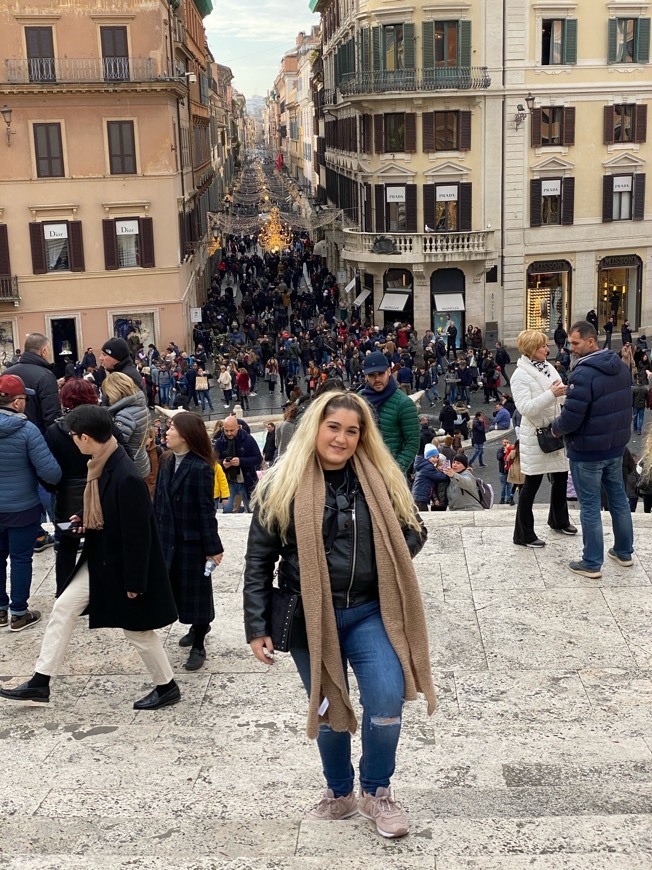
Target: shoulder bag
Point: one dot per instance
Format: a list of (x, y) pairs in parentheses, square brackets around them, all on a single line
[(548, 442)]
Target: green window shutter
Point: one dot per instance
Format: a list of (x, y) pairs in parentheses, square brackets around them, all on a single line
[(428, 44), (643, 40), (612, 48), (377, 40), (408, 46), (465, 44), (570, 41), (365, 49)]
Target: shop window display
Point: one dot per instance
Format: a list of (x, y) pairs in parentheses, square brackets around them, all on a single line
[(547, 298)]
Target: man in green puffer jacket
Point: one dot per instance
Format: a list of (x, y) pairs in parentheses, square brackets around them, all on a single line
[(396, 413)]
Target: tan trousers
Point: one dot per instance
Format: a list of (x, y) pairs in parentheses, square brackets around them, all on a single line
[(67, 609)]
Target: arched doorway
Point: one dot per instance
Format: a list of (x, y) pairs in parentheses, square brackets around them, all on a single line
[(619, 290), (548, 299), (447, 299), (398, 297)]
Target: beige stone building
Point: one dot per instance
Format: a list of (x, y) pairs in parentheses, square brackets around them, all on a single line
[(490, 159), (107, 170)]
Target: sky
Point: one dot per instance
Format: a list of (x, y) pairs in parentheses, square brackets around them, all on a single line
[(251, 37)]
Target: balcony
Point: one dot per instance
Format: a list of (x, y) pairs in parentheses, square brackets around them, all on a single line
[(421, 247), (49, 70), (9, 289), (469, 78)]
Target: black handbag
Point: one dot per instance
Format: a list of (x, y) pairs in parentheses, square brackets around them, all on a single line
[(548, 442), (287, 623)]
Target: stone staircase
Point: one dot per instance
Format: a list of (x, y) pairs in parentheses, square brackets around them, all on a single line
[(539, 755)]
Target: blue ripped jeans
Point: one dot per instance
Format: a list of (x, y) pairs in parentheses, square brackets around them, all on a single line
[(365, 645)]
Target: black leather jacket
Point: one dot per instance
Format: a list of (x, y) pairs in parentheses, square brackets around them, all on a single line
[(350, 554)]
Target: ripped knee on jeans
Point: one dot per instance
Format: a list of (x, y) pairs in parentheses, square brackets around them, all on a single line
[(384, 721)]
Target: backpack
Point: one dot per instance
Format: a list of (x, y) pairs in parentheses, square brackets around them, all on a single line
[(485, 493)]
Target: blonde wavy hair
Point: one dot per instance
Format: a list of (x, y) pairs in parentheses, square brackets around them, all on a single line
[(118, 386), (275, 493)]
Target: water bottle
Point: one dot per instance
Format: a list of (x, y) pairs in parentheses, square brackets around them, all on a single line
[(209, 567)]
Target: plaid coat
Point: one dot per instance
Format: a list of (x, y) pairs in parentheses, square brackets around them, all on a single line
[(185, 516)]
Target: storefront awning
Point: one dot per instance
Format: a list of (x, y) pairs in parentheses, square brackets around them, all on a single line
[(449, 301), (360, 298), (394, 301)]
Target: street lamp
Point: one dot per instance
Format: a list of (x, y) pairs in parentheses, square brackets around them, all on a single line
[(6, 115), (521, 113)]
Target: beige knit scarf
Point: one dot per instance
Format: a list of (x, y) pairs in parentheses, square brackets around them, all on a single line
[(93, 517), (401, 604)]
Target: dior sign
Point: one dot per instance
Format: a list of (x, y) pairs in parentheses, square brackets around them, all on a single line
[(55, 231)]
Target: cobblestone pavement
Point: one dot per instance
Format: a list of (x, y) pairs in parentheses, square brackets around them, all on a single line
[(539, 755)]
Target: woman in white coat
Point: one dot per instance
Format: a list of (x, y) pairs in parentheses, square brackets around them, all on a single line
[(537, 390)]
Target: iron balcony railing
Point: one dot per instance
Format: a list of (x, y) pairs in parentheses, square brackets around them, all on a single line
[(71, 70), (428, 246), (9, 289), (437, 79)]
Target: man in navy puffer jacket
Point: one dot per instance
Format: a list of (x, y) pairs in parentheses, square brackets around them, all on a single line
[(24, 457), (597, 422)]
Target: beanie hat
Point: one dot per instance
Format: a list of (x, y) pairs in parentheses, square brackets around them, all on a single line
[(460, 457), (430, 450), (117, 348)]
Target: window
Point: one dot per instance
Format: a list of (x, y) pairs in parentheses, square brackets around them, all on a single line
[(446, 44), (559, 41), (128, 243), (394, 47), (396, 218), (48, 150), (446, 131), (552, 202), (57, 246), (446, 214), (623, 197), (115, 54), (395, 132), (40, 54), (447, 207), (122, 147), (625, 124), (127, 237), (629, 40), (396, 208), (553, 125)]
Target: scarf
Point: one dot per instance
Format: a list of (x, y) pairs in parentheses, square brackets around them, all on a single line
[(401, 604), (93, 517), (376, 399), (542, 366)]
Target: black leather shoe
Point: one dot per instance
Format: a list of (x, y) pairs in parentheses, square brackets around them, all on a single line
[(154, 701), (187, 639), (196, 659), (567, 530), (27, 693)]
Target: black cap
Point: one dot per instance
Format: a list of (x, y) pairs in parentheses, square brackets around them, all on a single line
[(375, 362), (117, 348)]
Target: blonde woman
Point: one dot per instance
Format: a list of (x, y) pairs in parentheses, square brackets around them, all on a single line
[(538, 391), (644, 468), (128, 407), (337, 510)]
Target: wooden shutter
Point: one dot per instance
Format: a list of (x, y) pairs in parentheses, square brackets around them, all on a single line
[(146, 243), (379, 134), (182, 237), (379, 195), (638, 212), (368, 222), (612, 44), (428, 44), (408, 47), (428, 125), (428, 207), (568, 201), (640, 123), (37, 242), (535, 128), (570, 41), (110, 245), (608, 125), (535, 202), (410, 137), (411, 208), (365, 50), (367, 125), (376, 44), (607, 199), (568, 132), (465, 206), (5, 264), (465, 43), (464, 121), (642, 40), (76, 246)]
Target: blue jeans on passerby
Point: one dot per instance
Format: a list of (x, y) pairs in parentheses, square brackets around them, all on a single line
[(588, 479), (505, 488), (432, 394), (639, 416), (237, 489), (464, 395), (18, 545), (478, 453), (363, 643), (164, 394), (204, 397)]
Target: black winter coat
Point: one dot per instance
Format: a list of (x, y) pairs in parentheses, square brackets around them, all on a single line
[(126, 556), (185, 517), (43, 408)]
